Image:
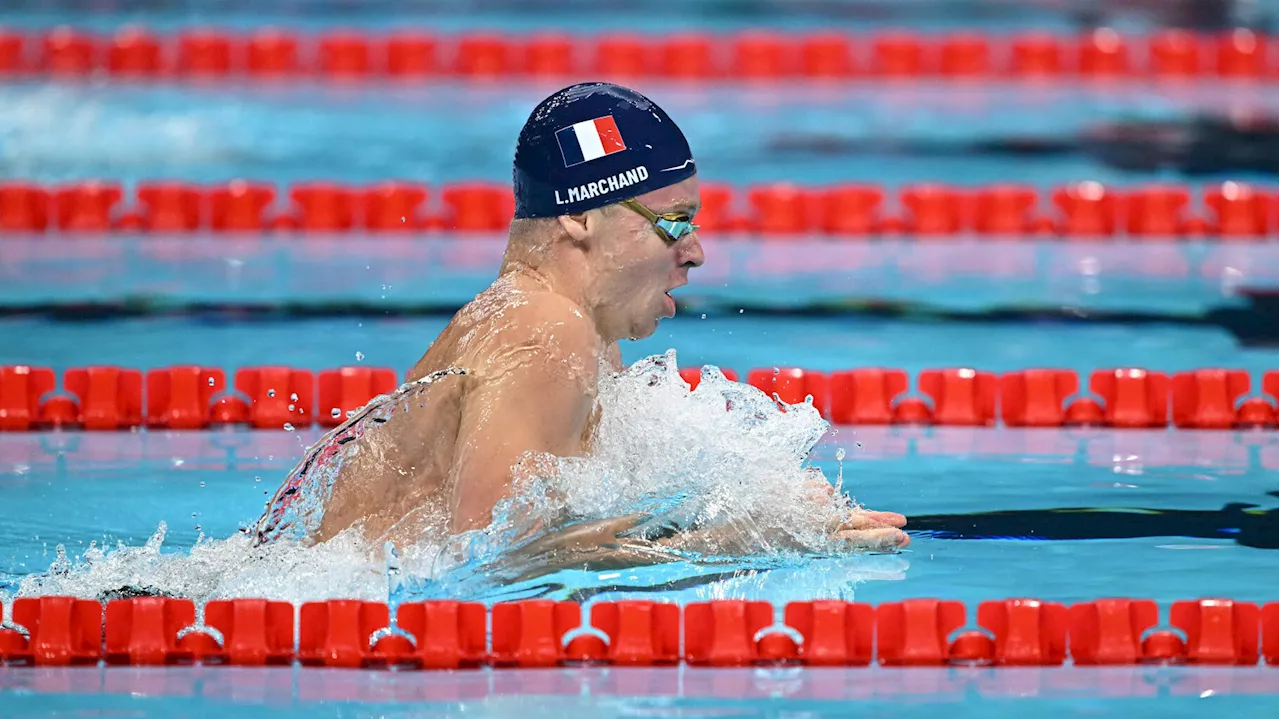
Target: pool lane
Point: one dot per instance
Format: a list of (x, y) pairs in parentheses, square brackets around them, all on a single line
[(726, 339), (1063, 515), (982, 133)]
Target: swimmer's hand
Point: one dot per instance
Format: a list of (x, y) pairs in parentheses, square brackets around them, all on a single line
[(866, 529), (874, 531)]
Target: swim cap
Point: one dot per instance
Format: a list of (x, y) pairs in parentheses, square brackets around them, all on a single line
[(593, 144)]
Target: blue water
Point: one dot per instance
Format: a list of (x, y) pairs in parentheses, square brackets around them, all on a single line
[(851, 132), (973, 276), (1162, 514), (104, 487)]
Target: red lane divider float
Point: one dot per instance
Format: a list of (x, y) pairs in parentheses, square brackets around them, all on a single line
[(340, 55), (51, 631), (193, 397), (1227, 210)]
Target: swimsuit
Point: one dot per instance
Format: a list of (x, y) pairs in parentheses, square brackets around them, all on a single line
[(276, 519)]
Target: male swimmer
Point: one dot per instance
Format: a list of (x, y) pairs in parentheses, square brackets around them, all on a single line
[(606, 191)]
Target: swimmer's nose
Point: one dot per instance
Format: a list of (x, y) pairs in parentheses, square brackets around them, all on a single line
[(690, 251)]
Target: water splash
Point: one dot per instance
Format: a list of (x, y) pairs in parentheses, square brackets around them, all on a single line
[(216, 569), (712, 483), (725, 464)]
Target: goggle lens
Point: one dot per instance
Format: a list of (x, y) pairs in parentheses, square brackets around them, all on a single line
[(675, 228)]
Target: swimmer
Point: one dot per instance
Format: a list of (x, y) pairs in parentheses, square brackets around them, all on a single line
[(606, 193)]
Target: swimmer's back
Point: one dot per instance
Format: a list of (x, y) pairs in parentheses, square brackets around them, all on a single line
[(401, 482), (396, 468)]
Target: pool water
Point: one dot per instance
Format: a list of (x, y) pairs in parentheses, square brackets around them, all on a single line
[(1058, 515), (1064, 515), (998, 512), (630, 692), (865, 132), (129, 483)]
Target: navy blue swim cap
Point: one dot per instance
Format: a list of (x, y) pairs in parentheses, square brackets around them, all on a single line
[(593, 144)]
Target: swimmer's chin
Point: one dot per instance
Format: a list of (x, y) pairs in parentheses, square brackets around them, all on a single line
[(644, 333)]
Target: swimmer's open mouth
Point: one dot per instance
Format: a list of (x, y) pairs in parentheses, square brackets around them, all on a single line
[(671, 297)]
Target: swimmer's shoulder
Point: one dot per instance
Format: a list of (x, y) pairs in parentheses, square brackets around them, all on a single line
[(541, 308), (503, 321), (544, 320)]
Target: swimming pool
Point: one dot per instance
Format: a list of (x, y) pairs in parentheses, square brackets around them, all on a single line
[(131, 482), (1062, 514)]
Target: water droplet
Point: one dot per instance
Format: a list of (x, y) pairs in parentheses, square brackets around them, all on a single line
[(271, 393), (704, 315), (336, 413), (257, 479), (202, 484), (359, 356), (740, 311), (290, 408), (293, 397), (210, 381), (199, 528), (288, 427), (403, 220), (193, 515)]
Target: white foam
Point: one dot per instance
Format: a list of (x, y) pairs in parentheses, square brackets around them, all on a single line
[(725, 458), (218, 569)]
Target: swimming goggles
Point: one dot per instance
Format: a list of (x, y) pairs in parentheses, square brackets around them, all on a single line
[(674, 225)]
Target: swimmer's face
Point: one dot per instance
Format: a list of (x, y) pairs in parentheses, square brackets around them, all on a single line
[(636, 264)]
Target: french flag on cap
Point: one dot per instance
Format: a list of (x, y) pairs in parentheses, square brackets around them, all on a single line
[(589, 140)]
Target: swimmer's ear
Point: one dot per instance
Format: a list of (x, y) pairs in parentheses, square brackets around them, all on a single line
[(579, 227)]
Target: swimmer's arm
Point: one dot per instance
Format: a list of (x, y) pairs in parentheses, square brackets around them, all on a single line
[(608, 544), (536, 397)]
